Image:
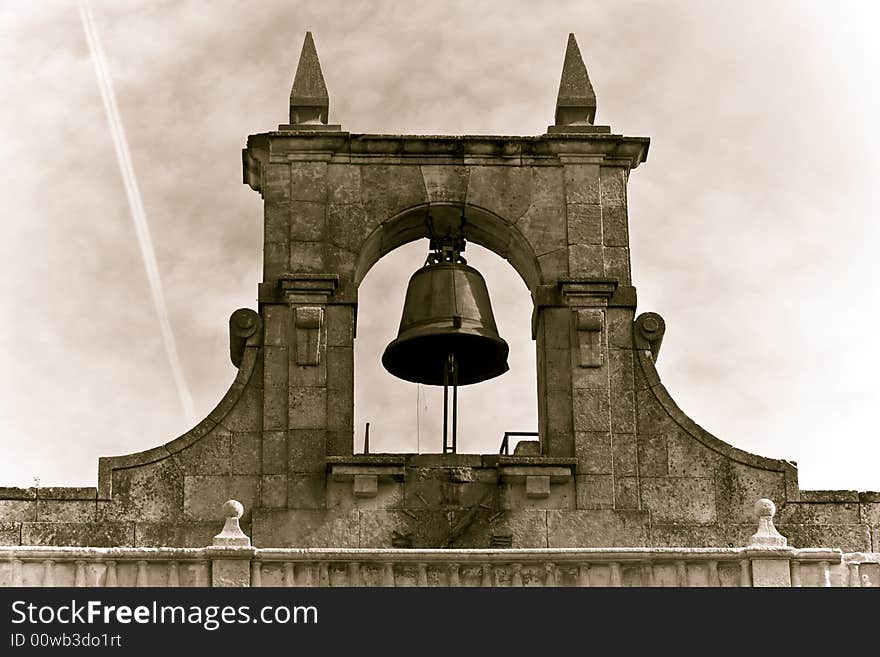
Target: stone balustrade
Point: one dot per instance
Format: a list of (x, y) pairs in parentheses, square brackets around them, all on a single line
[(614, 567), (84, 566), (691, 567), (232, 561)]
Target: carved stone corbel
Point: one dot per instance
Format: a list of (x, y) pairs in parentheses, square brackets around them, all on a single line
[(244, 329), (308, 320), (589, 324), (649, 329)]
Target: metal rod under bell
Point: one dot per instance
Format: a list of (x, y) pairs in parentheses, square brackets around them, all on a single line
[(454, 365), (445, 406)]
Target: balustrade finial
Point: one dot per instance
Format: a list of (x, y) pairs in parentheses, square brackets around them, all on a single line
[(232, 534), (767, 535)]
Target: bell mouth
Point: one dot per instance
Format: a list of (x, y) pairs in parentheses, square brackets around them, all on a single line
[(421, 355)]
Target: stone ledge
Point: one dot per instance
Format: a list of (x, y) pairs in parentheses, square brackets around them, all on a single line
[(607, 291), (578, 130), (829, 496), (230, 551), (524, 473), (305, 281), (832, 555), (444, 460), (368, 459), (89, 493), (587, 287), (592, 555), (560, 461), (41, 552), (13, 493), (342, 472), (451, 460), (366, 470), (311, 127), (279, 146), (430, 555)]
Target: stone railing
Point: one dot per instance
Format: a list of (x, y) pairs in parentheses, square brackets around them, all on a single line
[(84, 566), (232, 561), (613, 567)]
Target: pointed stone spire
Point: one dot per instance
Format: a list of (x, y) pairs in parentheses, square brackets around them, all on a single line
[(576, 102), (309, 101)]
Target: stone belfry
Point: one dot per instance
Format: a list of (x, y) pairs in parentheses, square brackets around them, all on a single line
[(554, 206), (616, 463)]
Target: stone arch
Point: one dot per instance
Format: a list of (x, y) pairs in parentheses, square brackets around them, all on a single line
[(514, 208), (481, 226)]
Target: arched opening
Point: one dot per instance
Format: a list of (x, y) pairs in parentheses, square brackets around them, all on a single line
[(407, 417), (481, 226)]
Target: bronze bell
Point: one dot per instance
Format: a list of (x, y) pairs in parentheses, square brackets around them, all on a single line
[(446, 316), (447, 335)]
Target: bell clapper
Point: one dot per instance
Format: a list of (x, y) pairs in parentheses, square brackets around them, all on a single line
[(450, 375)]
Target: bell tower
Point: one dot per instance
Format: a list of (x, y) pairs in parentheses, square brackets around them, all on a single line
[(616, 462), (553, 205)]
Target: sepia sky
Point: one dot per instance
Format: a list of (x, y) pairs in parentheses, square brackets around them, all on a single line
[(753, 222)]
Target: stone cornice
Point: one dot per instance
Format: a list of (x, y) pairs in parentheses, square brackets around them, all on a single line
[(578, 288), (570, 291), (348, 148)]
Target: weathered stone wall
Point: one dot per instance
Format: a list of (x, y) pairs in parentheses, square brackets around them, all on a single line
[(617, 464)]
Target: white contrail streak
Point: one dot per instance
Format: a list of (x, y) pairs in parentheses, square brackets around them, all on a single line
[(139, 217)]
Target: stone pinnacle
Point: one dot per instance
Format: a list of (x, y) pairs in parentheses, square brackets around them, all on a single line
[(309, 101), (576, 102)]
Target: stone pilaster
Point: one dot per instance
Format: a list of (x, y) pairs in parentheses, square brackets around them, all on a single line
[(310, 378)]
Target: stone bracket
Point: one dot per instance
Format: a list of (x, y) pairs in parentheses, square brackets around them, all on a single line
[(365, 485), (649, 330), (252, 172), (540, 474), (589, 323), (308, 321), (244, 330), (365, 477), (538, 486), (537, 479)]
